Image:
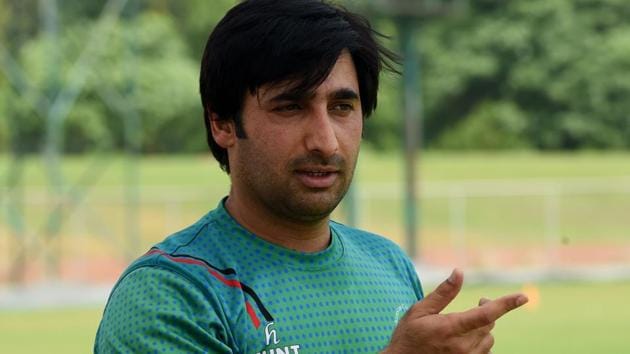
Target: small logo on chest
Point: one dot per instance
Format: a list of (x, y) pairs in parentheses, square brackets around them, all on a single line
[(400, 312), (271, 339)]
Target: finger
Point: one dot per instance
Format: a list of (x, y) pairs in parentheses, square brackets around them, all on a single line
[(489, 327), (483, 300), (485, 329), (488, 313), (480, 333), (484, 346), (436, 301)]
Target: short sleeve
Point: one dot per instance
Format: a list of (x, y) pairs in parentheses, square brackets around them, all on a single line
[(156, 310), (415, 280), (412, 274)]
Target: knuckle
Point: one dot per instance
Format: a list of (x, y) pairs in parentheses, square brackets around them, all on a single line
[(491, 326), (447, 327), (437, 330), (461, 348), (486, 318), (444, 331), (487, 343)]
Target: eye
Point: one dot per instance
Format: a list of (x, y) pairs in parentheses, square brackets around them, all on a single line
[(343, 108), (291, 107)]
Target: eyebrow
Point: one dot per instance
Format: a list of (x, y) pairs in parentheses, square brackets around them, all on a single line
[(345, 94), (291, 96)]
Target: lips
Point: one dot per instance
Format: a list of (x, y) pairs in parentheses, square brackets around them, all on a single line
[(317, 178)]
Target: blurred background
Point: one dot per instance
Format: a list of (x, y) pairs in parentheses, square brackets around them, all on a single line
[(513, 163)]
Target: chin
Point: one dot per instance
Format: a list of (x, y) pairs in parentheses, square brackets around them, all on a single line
[(314, 209)]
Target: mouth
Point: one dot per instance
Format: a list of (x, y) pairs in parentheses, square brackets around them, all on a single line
[(317, 177)]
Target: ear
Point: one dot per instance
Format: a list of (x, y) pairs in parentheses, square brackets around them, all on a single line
[(223, 130)]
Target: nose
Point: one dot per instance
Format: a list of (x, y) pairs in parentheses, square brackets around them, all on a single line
[(320, 134)]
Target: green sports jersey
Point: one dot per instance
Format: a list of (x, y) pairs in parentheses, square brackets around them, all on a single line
[(214, 287)]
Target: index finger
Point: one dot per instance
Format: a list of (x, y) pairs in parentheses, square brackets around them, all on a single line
[(487, 313)]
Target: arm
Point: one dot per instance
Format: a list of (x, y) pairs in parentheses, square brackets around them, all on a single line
[(155, 310)]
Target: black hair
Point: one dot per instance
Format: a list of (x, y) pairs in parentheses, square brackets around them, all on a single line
[(262, 42)]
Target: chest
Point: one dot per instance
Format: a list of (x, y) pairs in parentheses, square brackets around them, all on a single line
[(335, 311)]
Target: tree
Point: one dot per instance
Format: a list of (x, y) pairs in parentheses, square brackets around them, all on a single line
[(563, 64), (145, 66)]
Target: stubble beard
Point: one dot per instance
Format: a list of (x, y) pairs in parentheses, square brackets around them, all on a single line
[(283, 195)]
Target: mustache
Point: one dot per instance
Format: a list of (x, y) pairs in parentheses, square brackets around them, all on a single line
[(335, 161)]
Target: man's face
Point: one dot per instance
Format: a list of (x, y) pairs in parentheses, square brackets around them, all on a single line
[(300, 152)]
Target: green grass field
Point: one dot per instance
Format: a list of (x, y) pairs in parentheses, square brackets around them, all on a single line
[(202, 170), (575, 318), (174, 191)]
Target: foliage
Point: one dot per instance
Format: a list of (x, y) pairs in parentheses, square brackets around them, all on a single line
[(141, 72), (383, 129), (497, 74), (4, 129), (493, 125), (563, 64)]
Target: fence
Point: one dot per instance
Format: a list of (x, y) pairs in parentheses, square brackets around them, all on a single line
[(538, 228), (558, 226)]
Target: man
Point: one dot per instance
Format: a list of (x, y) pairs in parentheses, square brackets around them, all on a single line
[(285, 87)]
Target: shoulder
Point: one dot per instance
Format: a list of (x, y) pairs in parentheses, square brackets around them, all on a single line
[(172, 294), (153, 308), (146, 285), (195, 259), (208, 244)]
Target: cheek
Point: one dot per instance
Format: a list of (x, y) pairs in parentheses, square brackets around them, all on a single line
[(272, 148), (351, 133), (360, 129)]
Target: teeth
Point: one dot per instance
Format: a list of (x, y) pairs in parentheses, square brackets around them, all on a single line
[(317, 174)]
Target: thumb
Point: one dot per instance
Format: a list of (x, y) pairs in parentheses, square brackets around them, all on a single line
[(436, 301)]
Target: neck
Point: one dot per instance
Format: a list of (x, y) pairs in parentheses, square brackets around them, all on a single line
[(312, 236)]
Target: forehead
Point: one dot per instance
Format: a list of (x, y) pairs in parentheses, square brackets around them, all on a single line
[(342, 76)]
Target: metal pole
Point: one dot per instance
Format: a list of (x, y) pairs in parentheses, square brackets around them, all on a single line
[(15, 212), (411, 104), (132, 181), (16, 253), (132, 125), (54, 131), (54, 134)]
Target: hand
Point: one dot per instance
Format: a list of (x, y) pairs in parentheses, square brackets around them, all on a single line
[(423, 330)]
